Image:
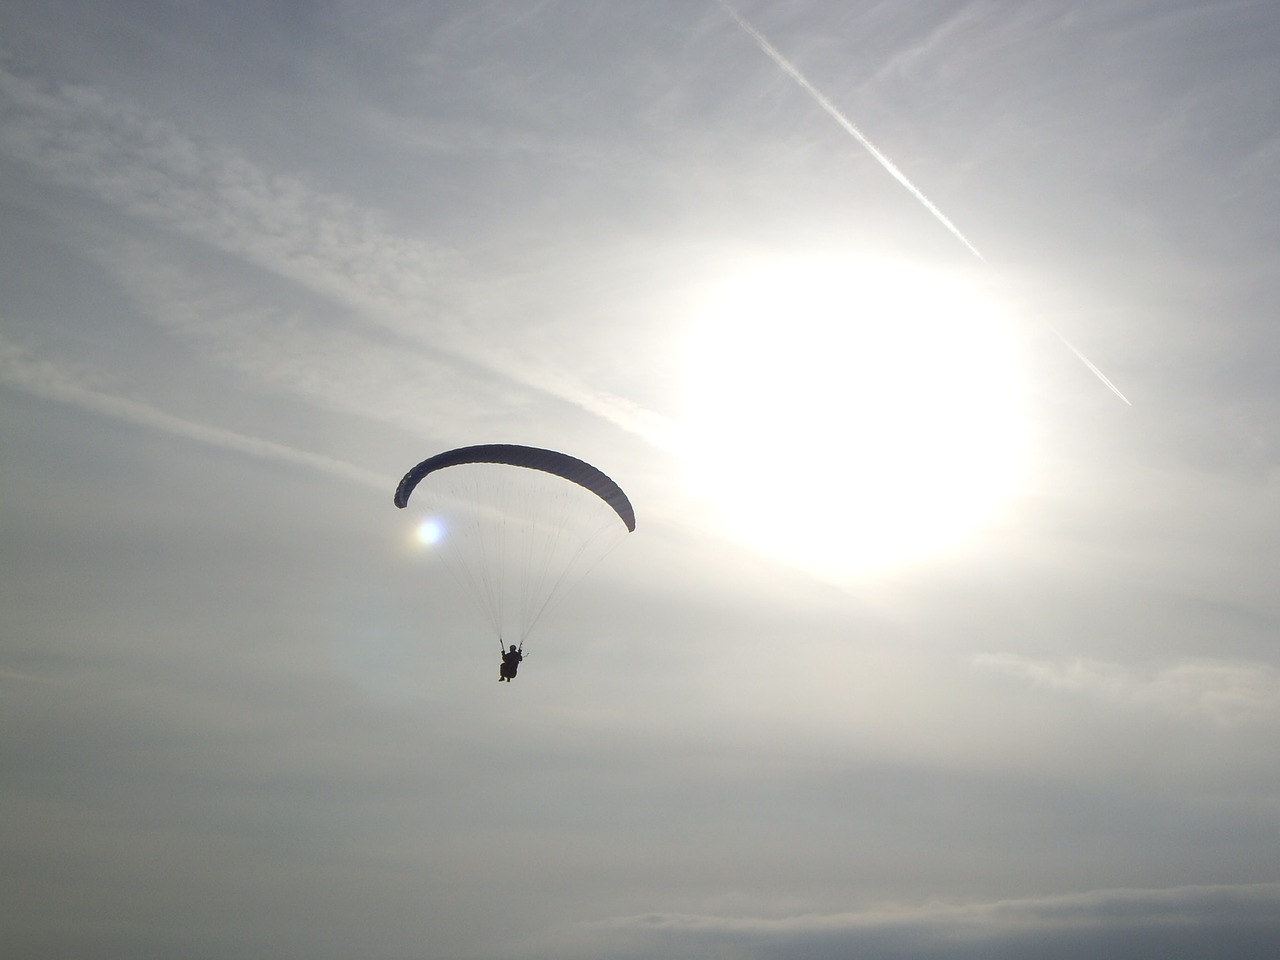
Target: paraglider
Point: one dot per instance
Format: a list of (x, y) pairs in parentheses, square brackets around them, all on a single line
[(515, 527), (511, 661)]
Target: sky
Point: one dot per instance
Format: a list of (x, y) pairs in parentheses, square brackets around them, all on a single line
[(926, 644)]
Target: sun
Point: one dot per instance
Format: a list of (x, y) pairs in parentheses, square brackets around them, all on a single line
[(846, 414)]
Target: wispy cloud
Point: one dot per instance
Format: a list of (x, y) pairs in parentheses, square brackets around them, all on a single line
[(297, 347), (1221, 690), (150, 169), (68, 384), (282, 223)]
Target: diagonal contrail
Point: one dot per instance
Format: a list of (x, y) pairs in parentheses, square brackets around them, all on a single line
[(1089, 363), (848, 126), (820, 98)]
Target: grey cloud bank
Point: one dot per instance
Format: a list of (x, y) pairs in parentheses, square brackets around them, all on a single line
[(1180, 922)]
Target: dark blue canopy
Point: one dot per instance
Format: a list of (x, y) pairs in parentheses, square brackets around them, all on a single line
[(534, 458)]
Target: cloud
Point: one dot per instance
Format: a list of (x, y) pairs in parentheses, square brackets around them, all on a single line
[(296, 347), (147, 167), (1224, 691), (69, 384), (1239, 920), (150, 169)]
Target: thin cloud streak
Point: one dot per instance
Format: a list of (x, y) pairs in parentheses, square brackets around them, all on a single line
[(849, 127), (51, 381)]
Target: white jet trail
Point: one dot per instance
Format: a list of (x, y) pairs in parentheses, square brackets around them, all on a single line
[(1089, 363), (820, 98)]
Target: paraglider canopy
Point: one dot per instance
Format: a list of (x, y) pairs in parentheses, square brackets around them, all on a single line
[(535, 458), (515, 526)]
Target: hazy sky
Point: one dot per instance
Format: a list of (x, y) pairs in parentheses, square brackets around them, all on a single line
[(926, 644)]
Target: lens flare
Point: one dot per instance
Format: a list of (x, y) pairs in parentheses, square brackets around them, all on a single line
[(430, 532)]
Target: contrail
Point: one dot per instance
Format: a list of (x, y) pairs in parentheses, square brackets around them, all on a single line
[(1089, 363), (790, 69), (820, 98)]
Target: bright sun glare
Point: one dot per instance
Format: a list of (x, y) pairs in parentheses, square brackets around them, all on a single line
[(848, 415)]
